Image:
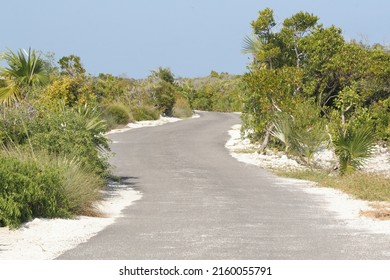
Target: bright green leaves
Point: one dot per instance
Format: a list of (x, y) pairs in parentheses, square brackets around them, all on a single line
[(300, 23), (264, 23), (25, 71)]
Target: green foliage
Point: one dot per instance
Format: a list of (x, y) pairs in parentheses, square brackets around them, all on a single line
[(81, 187), (353, 146), (140, 113), (165, 95), (73, 132), (25, 70), (164, 74), (29, 189), (220, 93), (35, 184), (118, 114), (301, 133), (72, 91), (110, 88), (71, 66), (300, 60), (268, 91)]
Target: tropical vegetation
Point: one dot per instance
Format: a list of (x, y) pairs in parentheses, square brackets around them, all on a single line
[(306, 87)]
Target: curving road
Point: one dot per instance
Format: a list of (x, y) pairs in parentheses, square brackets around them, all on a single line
[(200, 203)]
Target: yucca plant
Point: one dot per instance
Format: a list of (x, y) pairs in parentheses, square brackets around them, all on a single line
[(353, 146)]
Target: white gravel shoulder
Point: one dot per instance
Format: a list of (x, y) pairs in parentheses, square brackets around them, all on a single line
[(345, 207), (44, 239)]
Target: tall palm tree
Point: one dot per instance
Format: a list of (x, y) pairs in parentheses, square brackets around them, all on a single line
[(25, 70)]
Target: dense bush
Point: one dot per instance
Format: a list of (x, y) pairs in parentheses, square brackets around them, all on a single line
[(117, 114), (29, 189), (74, 132), (299, 60), (140, 113), (72, 91), (217, 92), (35, 184), (165, 94)]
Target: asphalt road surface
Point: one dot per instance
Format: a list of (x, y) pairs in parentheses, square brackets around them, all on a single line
[(200, 203)]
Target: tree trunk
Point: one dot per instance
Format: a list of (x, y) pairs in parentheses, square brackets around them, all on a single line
[(266, 138)]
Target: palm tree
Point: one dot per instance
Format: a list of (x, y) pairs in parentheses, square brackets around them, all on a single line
[(353, 146), (25, 70)]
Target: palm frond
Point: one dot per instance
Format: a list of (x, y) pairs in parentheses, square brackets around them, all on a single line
[(354, 147), (9, 92), (283, 130), (251, 45)]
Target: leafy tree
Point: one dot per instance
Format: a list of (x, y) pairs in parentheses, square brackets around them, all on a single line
[(164, 74), (293, 33), (270, 52), (165, 91), (111, 88), (71, 65), (267, 92), (165, 96)]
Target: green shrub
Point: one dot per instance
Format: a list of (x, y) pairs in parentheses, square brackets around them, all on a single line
[(118, 113), (141, 113), (74, 132), (13, 122), (29, 189), (165, 94), (36, 184)]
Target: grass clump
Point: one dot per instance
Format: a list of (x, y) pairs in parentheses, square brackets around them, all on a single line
[(182, 108), (365, 186)]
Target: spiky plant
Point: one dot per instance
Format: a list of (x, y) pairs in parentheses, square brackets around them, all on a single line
[(353, 146), (25, 70), (308, 141), (283, 130)]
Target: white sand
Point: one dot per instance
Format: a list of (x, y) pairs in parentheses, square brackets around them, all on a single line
[(160, 121), (43, 239), (346, 208)]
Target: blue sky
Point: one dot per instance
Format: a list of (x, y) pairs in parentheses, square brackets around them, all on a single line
[(192, 37)]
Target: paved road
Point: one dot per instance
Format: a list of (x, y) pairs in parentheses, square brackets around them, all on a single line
[(200, 203)]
